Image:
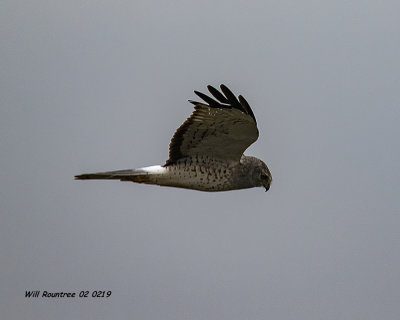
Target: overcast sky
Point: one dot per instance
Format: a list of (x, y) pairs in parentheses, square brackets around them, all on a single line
[(102, 85)]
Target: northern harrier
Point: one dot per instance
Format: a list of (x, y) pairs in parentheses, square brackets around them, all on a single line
[(206, 151)]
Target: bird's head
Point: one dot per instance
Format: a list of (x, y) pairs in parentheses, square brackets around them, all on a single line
[(256, 172)]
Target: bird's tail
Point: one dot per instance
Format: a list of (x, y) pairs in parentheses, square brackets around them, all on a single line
[(135, 175)]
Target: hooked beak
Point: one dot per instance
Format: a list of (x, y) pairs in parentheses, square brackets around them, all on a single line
[(267, 185)]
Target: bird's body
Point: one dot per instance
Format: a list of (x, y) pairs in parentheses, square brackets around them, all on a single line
[(206, 152), (189, 174)]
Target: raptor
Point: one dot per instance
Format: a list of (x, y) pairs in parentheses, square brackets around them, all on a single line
[(206, 151)]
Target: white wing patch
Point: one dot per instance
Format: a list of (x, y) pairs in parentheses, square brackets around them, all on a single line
[(154, 169)]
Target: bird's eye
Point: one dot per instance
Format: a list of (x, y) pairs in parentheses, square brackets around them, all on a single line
[(264, 177)]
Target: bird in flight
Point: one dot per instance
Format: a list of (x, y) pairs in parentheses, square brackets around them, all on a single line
[(206, 151)]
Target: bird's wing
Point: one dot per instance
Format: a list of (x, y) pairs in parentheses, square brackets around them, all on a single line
[(219, 129)]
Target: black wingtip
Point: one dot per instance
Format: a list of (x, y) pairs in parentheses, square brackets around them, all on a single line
[(218, 95), (213, 103), (224, 88), (246, 106), (226, 99), (194, 102), (231, 97)]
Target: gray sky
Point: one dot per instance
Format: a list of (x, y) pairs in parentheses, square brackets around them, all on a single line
[(102, 85)]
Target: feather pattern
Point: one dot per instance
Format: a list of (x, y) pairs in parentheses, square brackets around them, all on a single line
[(220, 130)]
